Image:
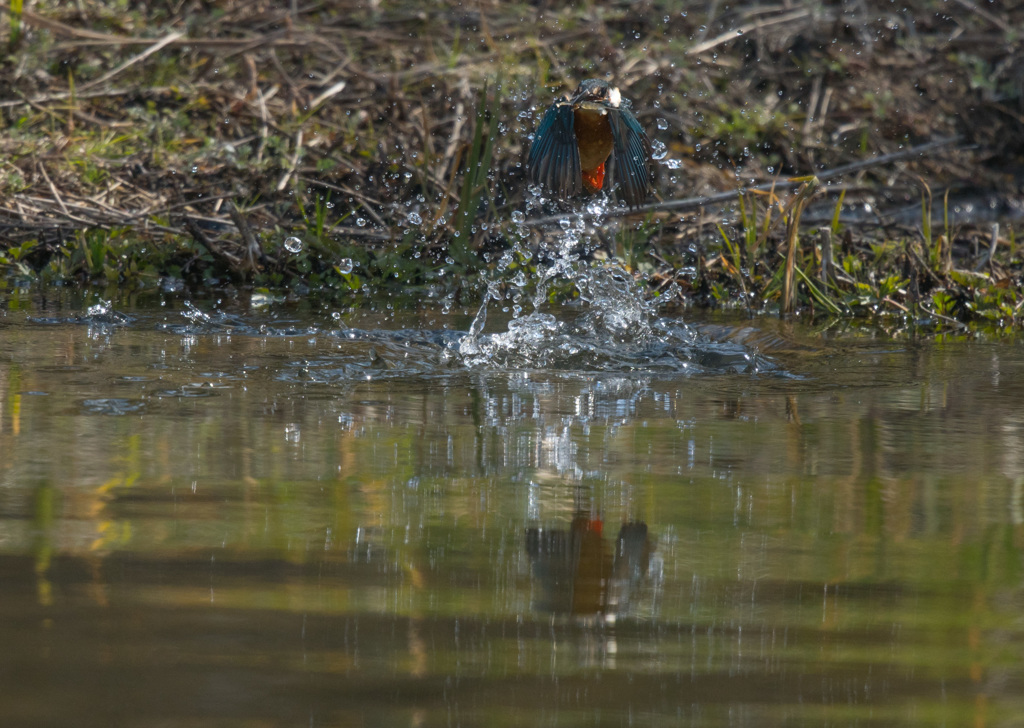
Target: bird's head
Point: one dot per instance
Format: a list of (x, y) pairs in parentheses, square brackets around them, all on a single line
[(596, 94)]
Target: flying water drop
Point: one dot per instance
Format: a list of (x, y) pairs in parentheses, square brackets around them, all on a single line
[(100, 309), (293, 244)]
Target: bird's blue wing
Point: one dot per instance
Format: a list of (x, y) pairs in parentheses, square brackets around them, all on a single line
[(631, 156), (554, 159)]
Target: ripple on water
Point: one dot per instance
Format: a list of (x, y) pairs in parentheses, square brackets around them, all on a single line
[(113, 406), (64, 368), (186, 392)]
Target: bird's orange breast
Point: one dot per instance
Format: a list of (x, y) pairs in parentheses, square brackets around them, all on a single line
[(594, 139)]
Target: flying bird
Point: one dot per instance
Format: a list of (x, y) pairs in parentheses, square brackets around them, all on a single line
[(591, 141)]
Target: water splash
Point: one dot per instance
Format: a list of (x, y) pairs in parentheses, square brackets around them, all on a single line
[(103, 314), (613, 327), (193, 314), (618, 307)]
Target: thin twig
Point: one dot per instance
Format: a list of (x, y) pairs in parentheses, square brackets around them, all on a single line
[(826, 255), (56, 195), (292, 163), (745, 29), (984, 14), (368, 203), (990, 253), (155, 48), (252, 245), (316, 103)]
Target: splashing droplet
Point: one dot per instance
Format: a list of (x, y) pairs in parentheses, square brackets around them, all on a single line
[(100, 309), (345, 266), (660, 150), (663, 124), (293, 244)]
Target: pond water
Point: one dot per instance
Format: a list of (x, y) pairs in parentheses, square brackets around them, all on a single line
[(217, 514)]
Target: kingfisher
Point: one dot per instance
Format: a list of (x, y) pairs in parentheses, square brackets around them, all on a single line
[(582, 134)]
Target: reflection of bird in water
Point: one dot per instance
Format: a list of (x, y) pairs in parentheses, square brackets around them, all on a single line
[(578, 135), (629, 566), (577, 573)]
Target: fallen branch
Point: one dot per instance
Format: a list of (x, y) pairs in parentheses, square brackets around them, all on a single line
[(696, 203), (197, 233)]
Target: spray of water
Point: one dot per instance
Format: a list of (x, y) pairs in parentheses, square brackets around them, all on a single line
[(614, 327)]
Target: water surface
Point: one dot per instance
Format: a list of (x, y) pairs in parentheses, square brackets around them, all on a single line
[(220, 515)]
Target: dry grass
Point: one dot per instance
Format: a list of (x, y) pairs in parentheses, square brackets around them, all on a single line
[(173, 126)]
